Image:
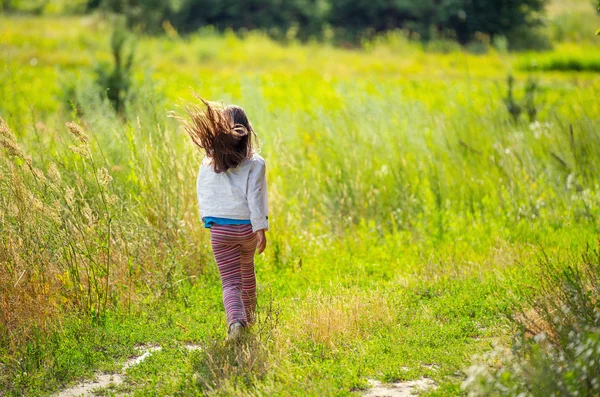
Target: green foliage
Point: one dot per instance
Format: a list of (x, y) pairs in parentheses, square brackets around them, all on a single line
[(92, 4), (557, 348), (274, 16), (513, 107), (115, 80), (28, 6), (351, 20), (527, 104), (442, 46), (345, 21), (147, 15), (564, 63), (524, 38), (529, 100), (499, 17), (465, 18), (38, 7)]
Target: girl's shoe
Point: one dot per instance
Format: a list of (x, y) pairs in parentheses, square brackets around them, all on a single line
[(236, 332)]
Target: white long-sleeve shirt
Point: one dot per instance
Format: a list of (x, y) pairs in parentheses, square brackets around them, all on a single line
[(238, 193)]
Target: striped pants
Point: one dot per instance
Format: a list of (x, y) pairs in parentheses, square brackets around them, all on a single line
[(233, 247)]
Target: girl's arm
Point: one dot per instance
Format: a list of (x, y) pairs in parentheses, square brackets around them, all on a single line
[(257, 196)]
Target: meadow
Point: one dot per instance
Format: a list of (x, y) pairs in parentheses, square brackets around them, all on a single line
[(409, 210)]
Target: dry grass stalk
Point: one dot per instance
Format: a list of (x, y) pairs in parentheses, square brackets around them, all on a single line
[(68, 245), (9, 143), (77, 132), (334, 319)]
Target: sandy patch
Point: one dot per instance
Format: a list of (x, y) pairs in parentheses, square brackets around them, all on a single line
[(400, 389)]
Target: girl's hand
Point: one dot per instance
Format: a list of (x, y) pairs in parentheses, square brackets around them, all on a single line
[(262, 241)]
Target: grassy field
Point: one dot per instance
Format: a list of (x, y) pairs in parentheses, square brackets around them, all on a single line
[(409, 210)]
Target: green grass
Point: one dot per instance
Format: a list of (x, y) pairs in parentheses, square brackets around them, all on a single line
[(576, 60), (566, 65), (405, 204)]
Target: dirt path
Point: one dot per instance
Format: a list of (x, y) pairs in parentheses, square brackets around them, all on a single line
[(401, 389), (90, 388), (100, 381)]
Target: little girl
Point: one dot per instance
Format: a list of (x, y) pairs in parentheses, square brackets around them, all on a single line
[(232, 194)]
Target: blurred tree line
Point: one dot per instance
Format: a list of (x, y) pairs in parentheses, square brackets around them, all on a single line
[(347, 19)]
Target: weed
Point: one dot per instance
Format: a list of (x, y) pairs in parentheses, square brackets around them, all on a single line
[(527, 104), (513, 107), (116, 79), (557, 348)]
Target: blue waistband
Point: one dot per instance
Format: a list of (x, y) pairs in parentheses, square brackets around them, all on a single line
[(211, 220)]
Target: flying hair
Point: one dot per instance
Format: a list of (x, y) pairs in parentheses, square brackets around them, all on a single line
[(224, 133)]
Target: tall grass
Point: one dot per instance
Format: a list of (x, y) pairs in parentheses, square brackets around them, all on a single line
[(385, 155), (82, 233), (556, 350)]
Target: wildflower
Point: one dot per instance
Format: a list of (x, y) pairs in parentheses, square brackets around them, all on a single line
[(104, 177), (539, 129), (536, 125), (77, 132), (383, 171)]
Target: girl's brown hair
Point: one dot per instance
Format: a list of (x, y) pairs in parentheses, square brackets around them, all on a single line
[(223, 132)]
